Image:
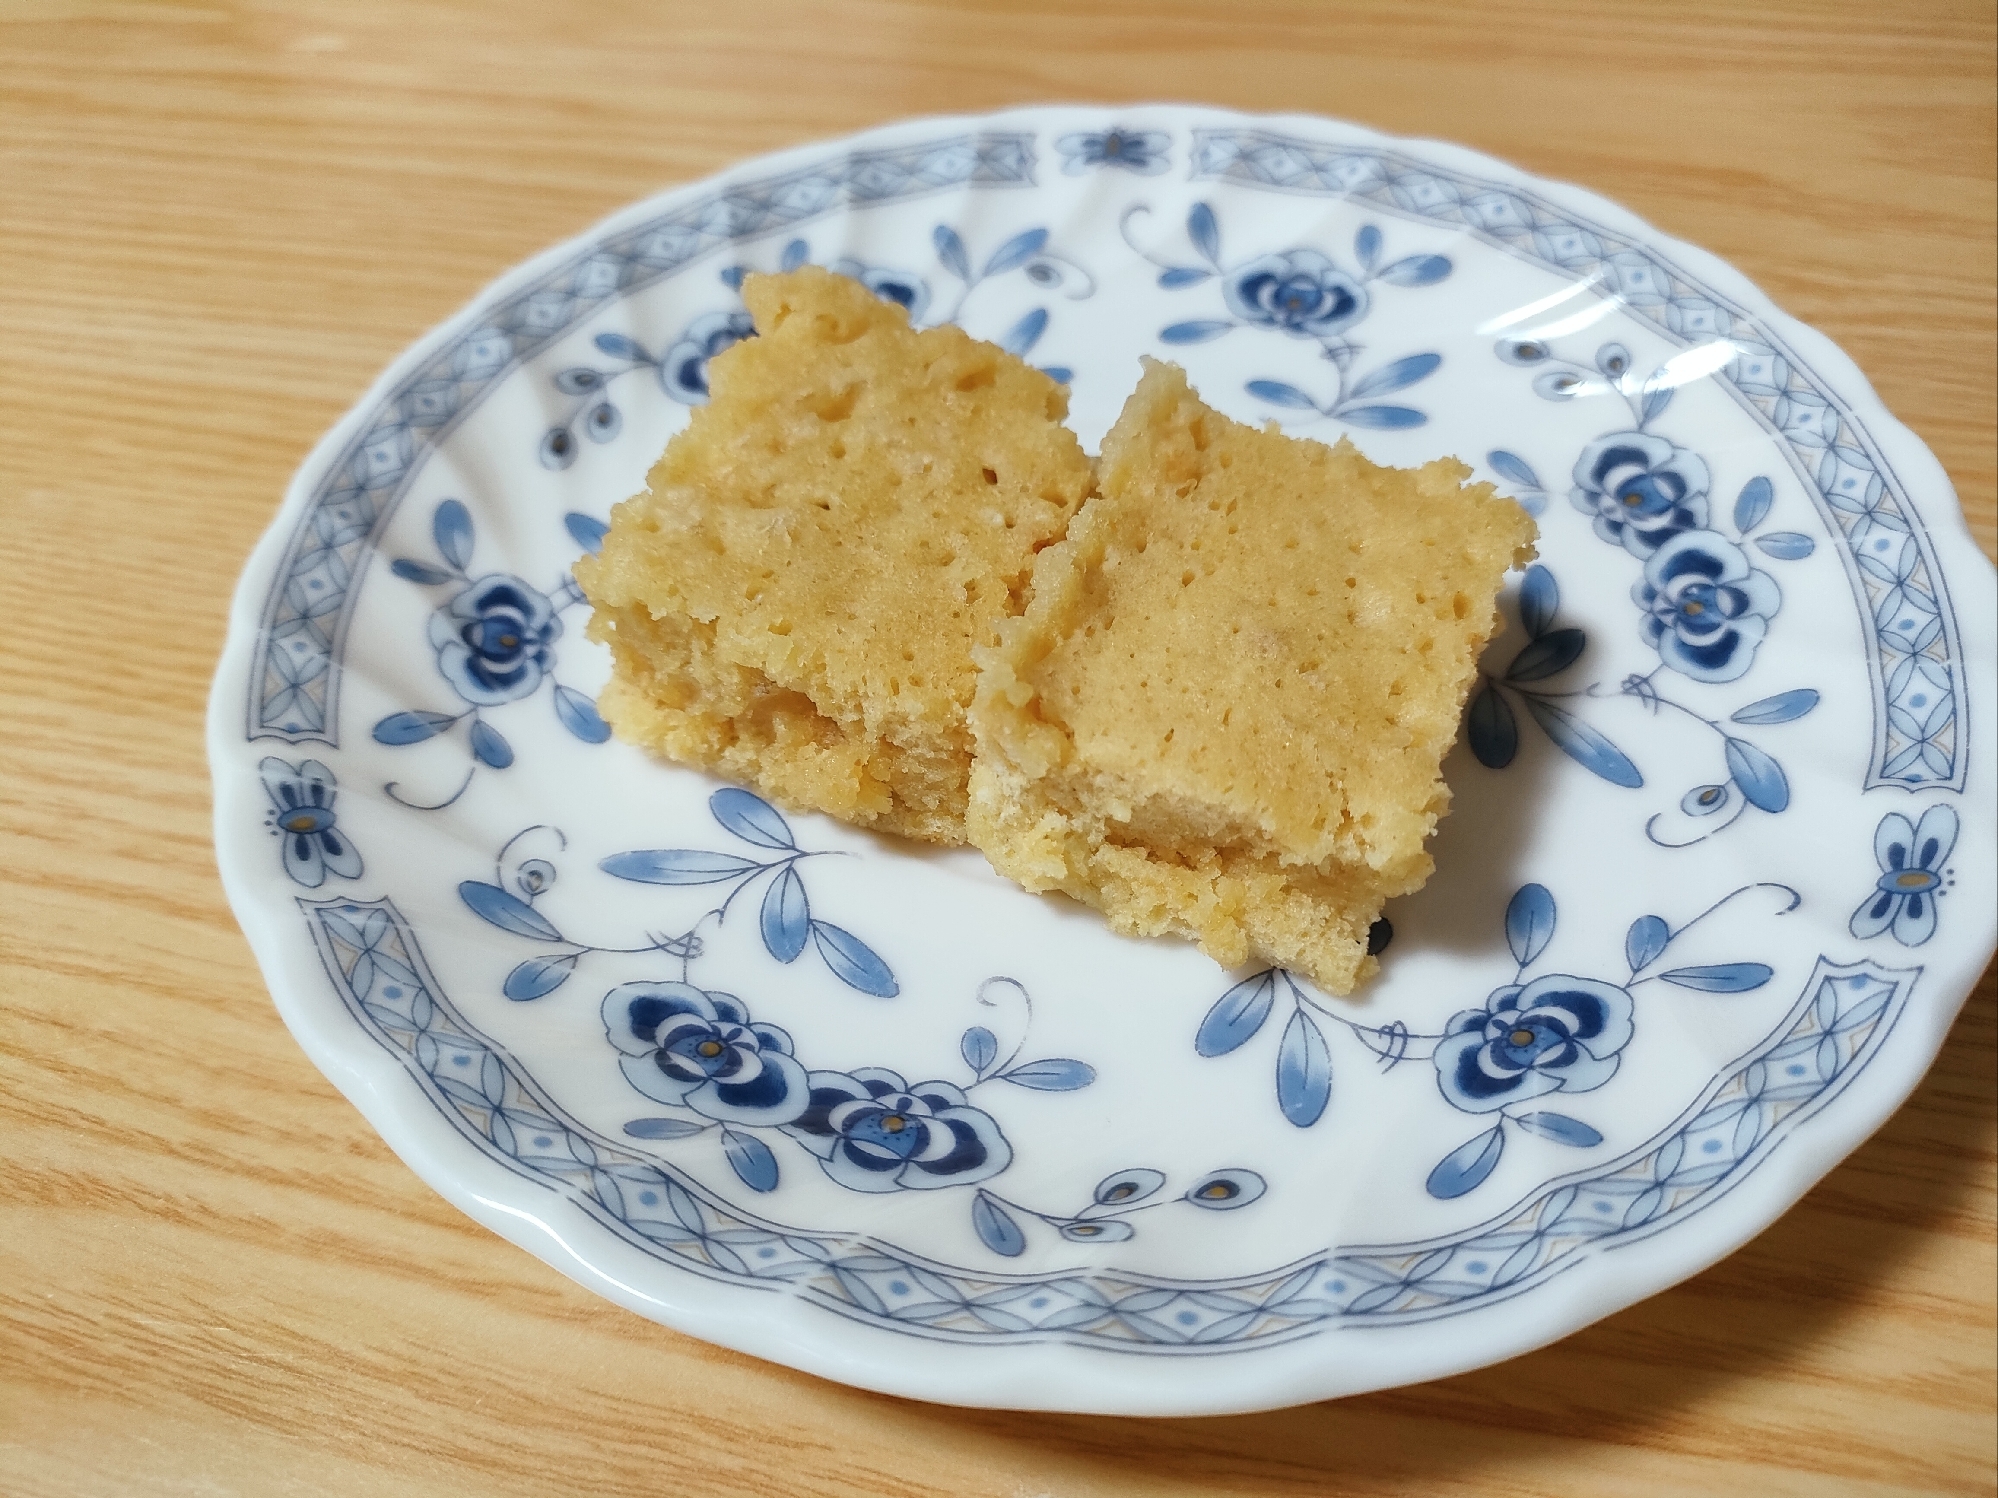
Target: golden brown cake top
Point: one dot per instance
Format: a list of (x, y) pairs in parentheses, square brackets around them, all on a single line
[(856, 507), (1255, 642)]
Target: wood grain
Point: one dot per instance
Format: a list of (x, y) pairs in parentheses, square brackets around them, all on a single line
[(218, 221)]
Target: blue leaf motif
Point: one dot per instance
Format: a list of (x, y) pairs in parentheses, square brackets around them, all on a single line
[(1529, 922), (1493, 731), (1781, 708), (1786, 546), (750, 818), (1052, 1074), (619, 347), (751, 1160), (1655, 402), (1303, 1071), (1197, 331), (1397, 376), (996, 1228), (1061, 374), (853, 962), (411, 728), (1279, 394), (1367, 246), (495, 906), (1025, 333), (1417, 270), (950, 250), (1583, 744), (732, 276), (1225, 1190), (1127, 1187), (585, 530), (1547, 655), (1560, 1128), (1753, 504), (663, 1128), (1183, 275), (786, 917), (1513, 469), (418, 572), (558, 448), (1204, 232), (603, 422), (1382, 418), (539, 976), (794, 255), (490, 745), (451, 528), (580, 716), (676, 866), (980, 1048), (1646, 938), (1237, 1015), (1539, 598), (1015, 251), (1465, 1167), (1725, 977), (1761, 779)]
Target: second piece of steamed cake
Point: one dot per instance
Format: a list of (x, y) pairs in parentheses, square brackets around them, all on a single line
[(795, 600), (1225, 710)]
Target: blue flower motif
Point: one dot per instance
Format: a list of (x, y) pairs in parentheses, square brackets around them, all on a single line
[(908, 291), (1911, 863), (1557, 1034), (683, 368), (1300, 292), (699, 1050), (492, 640), (1705, 608), (874, 1132), (302, 803), (1640, 489), (1140, 151)]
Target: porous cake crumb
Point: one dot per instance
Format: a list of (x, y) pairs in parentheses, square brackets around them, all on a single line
[(794, 602), (1225, 709)]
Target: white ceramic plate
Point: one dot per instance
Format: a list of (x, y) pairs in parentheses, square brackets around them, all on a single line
[(1718, 876)]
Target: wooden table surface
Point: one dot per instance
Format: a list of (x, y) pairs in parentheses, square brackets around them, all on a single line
[(219, 220)]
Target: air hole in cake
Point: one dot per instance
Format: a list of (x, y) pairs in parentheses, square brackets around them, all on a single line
[(1460, 606), (991, 475), (836, 405), (977, 379)]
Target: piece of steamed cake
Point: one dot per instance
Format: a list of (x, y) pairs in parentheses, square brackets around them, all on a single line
[(794, 601), (1225, 709)]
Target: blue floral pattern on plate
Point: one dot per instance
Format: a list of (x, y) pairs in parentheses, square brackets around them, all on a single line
[(1304, 293), (302, 816), (494, 642), (834, 1094), (1913, 857)]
